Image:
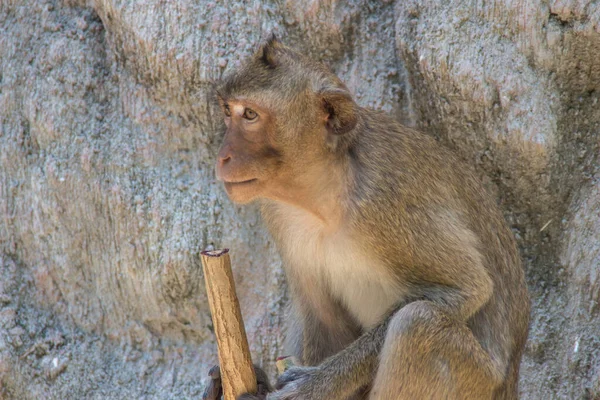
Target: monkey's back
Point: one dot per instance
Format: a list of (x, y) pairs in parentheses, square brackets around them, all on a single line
[(431, 177)]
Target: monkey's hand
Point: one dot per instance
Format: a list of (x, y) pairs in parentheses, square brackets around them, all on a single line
[(214, 389), (299, 383)]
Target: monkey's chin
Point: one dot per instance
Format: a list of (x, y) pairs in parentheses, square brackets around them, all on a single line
[(242, 192)]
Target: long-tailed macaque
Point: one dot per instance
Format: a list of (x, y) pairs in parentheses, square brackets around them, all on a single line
[(405, 280)]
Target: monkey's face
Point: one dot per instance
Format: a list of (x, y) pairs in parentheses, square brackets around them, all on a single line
[(248, 158)]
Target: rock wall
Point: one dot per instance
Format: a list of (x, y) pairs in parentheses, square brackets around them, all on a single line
[(107, 194)]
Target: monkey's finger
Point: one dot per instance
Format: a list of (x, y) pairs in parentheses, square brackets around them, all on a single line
[(290, 392), (215, 372), (212, 392), (291, 375), (262, 381), (248, 396), (277, 396), (214, 389)]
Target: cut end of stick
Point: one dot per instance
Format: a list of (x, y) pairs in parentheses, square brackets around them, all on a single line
[(215, 253)]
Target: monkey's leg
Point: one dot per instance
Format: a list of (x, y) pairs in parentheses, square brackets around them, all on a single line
[(428, 355)]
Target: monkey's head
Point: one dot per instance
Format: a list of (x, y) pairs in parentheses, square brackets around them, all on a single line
[(285, 116)]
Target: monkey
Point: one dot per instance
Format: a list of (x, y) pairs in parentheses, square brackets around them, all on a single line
[(405, 280)]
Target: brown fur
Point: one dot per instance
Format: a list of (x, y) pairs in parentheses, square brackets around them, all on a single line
[(405, 278)]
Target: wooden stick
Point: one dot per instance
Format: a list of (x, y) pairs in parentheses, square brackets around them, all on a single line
[(237, 372)]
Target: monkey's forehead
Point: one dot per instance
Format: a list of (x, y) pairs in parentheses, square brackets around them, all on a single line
[(261, 101), (238, 105), (252, 79), (275, 92), (291, 74), (279, 83)]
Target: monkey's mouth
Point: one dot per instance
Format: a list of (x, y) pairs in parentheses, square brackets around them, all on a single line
[(231, 184)]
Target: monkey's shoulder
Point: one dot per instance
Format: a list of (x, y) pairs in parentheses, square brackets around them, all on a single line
[(386, 137), (400, 162)]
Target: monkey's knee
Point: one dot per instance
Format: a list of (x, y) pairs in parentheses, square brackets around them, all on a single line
[(419, 317), (422, 329), (427, 354), (417, 338)]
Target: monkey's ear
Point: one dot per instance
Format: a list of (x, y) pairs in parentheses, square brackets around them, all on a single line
[(268, 51), (340, 109)]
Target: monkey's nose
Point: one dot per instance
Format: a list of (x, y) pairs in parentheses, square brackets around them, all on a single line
[(224, 159), (224, 154), (221, 166)]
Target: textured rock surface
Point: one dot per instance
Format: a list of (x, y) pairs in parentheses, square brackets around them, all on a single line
[(107, 136)]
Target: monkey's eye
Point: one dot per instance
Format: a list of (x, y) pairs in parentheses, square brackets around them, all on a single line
[(227, 110), (250, 114)]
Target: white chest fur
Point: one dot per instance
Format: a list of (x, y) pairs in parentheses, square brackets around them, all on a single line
[(335, 259)]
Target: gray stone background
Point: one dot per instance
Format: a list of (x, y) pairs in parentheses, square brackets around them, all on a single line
[(107, 192)]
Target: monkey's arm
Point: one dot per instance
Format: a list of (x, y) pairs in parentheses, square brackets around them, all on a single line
[(317, 325), (317, 333), (339, 376)]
